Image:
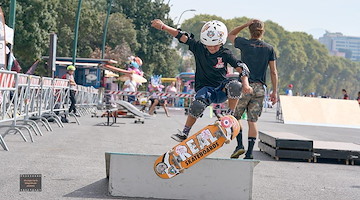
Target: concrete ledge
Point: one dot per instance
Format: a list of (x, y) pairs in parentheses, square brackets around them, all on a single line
[(132, 175)]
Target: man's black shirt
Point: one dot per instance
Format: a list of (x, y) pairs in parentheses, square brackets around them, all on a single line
[(256, 54), (211, 69)]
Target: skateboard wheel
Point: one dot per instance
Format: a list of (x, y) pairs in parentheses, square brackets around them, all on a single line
[(182, 170), (142, 122), (227, 141)]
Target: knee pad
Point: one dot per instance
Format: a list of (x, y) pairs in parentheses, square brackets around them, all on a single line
[(233, 89), (197, 108)]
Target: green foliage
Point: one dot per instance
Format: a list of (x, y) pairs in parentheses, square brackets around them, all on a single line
[(32, 37), (154, 45), (120, 30)]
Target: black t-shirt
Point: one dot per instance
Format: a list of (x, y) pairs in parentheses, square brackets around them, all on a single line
[(256, 54), (211, 69)]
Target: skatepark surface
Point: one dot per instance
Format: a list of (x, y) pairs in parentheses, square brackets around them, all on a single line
[(72, 163)]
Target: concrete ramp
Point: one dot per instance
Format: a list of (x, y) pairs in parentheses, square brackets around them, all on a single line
[(320, 111), (132, 175), (131, 108)]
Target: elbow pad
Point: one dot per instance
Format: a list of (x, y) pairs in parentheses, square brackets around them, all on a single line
[(181, 33), (245, 69)]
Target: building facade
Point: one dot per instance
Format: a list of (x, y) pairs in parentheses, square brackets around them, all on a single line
[(340, 45)]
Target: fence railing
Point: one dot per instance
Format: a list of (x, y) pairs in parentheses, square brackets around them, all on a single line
[(26, 101)]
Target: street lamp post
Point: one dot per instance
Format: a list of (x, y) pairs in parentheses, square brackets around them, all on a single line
[(105, 28), (76, 30), (178, 24)]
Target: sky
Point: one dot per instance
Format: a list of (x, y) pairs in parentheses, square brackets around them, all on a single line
[(311, 16)]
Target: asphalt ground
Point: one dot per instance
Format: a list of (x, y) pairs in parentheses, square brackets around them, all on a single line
[(72, 164)]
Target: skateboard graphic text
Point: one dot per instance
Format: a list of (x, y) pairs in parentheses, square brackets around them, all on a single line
[(196, 147)]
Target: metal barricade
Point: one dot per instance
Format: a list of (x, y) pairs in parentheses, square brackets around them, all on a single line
[(94, 102), (62, 95), (23, 91), (33, 109), (80, 99), (86, 99), (26, 100), (8, 106), (47, 101)]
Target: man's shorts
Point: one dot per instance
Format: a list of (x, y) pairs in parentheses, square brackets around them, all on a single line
[(252, 103)]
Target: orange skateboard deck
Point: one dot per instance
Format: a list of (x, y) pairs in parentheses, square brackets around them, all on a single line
[(196, 147)]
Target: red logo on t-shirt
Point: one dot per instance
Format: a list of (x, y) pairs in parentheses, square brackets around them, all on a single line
[(220, 63)]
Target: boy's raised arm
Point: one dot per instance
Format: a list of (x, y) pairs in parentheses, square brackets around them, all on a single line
[(158, 24)]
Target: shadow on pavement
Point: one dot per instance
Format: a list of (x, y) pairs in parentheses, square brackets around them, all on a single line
[(97, 190)]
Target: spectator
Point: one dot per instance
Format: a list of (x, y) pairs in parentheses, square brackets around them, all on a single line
[(70, 76), (358, 98), (171, 89), (156, 100), (346, 96), (289, 90), (130, 86)]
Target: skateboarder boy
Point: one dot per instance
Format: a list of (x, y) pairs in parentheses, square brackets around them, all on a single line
[(211, 85)]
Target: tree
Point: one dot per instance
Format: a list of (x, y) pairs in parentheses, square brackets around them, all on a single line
[(34, 22), (302, 61), (121, 30), (153, 44)]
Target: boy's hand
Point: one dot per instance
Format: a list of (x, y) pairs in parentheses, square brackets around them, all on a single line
[(158, 24)]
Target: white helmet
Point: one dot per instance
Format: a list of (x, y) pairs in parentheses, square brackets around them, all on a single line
[(213, 33)]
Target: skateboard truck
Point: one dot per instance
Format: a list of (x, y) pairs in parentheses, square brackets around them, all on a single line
[(217, 114), (217, 123), (222, 134)]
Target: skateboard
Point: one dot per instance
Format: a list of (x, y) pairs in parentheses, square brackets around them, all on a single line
[(196, 147), (139, 120)]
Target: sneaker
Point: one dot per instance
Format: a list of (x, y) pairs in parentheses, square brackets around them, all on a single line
[(249, 157), (179, 136), (238, 151)]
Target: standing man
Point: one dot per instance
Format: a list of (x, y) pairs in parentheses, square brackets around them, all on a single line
[(258, 56), (70, 76)]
